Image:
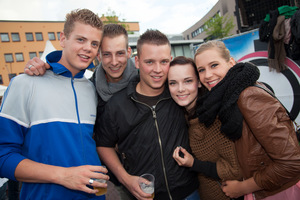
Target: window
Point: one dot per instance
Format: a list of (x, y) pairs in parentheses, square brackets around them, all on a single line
[(8, 57), (39, 36), (1, 80), (15, 37), (29, 36), (4, 37), (58, 35), (12, 75), (40, 53), (32, 55), (51, 35), (19, 57)]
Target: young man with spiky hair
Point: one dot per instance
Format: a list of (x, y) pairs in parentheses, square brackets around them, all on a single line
[(116, 68), (147, 125), (111, 75), (50, 148), (114, 72)]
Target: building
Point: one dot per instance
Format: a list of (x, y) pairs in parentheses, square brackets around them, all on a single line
[(179, 46), (222, 8), (246, 15), (22, 40)]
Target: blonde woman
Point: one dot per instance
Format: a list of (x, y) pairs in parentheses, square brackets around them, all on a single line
[(264, 136)]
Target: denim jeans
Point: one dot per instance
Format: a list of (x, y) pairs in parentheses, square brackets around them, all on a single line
[(125, 195), (193, 196)]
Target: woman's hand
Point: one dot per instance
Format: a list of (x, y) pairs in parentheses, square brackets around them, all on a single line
[(235, 189), (187, 160)]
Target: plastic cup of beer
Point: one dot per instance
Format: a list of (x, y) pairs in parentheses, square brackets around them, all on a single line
[(101, 191), (146, 182)]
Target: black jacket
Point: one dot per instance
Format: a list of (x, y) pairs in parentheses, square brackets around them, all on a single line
[(146, 139)]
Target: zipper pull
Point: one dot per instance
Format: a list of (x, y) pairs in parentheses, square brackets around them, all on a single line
[(123, 156), (153, 113)]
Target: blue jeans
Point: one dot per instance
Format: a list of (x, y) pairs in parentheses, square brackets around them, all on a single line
[(193, 196)]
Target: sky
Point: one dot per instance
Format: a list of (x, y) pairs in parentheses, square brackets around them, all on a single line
[(168, 16)]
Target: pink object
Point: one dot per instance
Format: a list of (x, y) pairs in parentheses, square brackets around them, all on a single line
[(292, 193)]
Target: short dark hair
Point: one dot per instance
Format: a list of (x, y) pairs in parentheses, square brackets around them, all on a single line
[(84, 16), (152, 37), (182, 60), (114, 30)]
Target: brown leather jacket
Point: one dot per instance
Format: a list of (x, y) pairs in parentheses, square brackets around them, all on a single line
[(268, 149)]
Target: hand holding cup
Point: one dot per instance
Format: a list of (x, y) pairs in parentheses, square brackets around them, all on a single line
[(101, 191), (146, 183)]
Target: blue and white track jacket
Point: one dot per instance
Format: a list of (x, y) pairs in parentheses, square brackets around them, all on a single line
[(50, 120)]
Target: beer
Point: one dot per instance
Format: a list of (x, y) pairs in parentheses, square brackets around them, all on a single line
[(149, 189), (146, 182), (101, 191)]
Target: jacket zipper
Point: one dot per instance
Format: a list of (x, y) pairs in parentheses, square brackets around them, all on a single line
[(159, 141), (78, 119)]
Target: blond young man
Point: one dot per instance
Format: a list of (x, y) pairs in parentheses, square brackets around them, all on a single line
[(50, 148), (111, 75)]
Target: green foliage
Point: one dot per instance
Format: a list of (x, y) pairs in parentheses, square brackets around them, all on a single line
[(112, 18), (218, 27)]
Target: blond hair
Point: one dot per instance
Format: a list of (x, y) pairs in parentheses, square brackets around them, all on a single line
[(84, 16), (218, 45)]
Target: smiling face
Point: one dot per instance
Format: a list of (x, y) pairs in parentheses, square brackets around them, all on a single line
[(183, 85), (80, 47), (114, 54), (212, 67), (153, 63)]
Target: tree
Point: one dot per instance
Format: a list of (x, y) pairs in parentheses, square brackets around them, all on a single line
[(218, 27), (111, 18)]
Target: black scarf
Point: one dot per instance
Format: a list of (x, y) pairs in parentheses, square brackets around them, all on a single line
[(221, 101)]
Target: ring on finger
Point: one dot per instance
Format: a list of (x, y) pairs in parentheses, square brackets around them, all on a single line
[(91, 181), (30, 66)]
